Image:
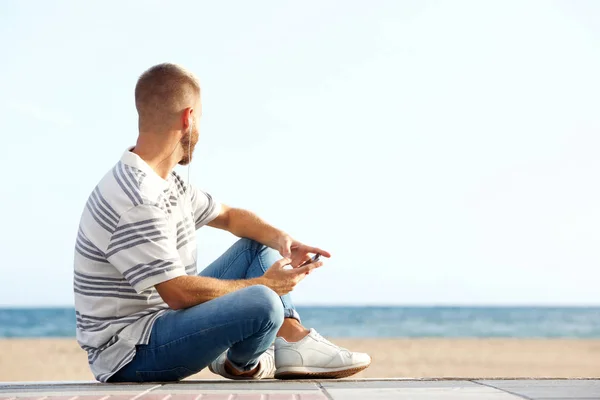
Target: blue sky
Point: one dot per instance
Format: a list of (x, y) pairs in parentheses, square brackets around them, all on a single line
[(443, 152)]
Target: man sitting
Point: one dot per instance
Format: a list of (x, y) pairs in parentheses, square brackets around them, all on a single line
[(143, 313)]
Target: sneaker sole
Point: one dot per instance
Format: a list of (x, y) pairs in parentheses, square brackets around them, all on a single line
[(318, 373), (227, 375)]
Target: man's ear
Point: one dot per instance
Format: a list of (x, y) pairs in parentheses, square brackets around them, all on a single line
[(188, 118)]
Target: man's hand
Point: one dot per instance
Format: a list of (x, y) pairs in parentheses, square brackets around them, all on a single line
[(246, 224), (297, 252), (283, 281)]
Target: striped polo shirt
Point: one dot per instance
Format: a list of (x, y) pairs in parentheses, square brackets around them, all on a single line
[(137, 230)]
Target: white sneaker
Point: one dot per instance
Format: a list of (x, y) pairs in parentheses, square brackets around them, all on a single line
[(316, 357), (266, 367)]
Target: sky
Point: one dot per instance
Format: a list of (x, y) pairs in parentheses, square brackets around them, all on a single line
[(444, 152)]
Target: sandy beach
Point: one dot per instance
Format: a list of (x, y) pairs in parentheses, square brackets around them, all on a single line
[(62, 359)]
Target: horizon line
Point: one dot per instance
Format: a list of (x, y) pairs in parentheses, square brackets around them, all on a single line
[(370, 305)]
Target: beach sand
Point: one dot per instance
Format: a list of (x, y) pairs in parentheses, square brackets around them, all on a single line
[(62, 359)]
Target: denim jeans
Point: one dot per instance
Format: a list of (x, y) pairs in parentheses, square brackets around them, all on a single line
[(182, 342)]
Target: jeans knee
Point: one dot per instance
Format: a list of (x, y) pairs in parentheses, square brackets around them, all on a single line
[(250, 244), (267, 305)]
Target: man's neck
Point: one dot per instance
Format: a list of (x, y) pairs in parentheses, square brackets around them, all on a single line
[(161, 157)]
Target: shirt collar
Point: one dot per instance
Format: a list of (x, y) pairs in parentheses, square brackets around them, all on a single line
[(133, 160)]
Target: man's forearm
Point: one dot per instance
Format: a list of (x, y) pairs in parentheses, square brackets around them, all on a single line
[(244, 223), (188, 291)]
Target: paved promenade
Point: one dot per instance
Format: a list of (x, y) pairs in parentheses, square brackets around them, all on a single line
[(445, 389)]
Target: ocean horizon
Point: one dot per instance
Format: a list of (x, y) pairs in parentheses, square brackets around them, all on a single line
[(579, 322)]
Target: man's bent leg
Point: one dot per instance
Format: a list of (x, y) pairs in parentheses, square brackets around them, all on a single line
[(247, 259), (183, 342), (318, 357)]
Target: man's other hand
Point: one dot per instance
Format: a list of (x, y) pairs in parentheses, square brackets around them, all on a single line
[(282, 280), (296, 251)]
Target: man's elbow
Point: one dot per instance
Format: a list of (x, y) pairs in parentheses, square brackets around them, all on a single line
[(173, 294), (175, 303)]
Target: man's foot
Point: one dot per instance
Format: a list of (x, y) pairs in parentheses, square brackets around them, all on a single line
[(264, 370), (316, 357)]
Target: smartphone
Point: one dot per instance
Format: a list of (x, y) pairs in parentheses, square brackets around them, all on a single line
[(312, 260)]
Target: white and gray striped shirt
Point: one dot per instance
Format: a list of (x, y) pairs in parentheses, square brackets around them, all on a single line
[(137, 230)]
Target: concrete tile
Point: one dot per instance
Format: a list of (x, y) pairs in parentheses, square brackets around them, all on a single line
[(75, 388), (227, 396), (69, 397), (236, 386), (31, 398), (311, 390), (95, 390), (52, 397), (291, 396), (127, 397), (263, 390), (73, 397), (85, 397), (381, 384), (178, 396), (160, 396), (550, 389), (421, 393), (196, 396)]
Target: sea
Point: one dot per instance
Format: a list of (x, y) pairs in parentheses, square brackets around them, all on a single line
[(371, 322)]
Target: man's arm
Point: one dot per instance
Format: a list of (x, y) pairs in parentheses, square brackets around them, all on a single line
[(246, 224), (243, 223), (187, 291)]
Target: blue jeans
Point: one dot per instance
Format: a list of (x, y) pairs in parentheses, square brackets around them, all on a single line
[(183, 342)]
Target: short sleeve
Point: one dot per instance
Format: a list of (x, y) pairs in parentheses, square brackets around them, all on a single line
[(205, 207), (142, 248)]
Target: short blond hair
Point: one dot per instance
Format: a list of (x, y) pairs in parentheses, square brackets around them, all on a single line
[(162, 92)]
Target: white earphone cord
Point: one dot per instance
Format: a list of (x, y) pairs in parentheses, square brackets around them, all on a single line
[(190, 154), (190, 165)]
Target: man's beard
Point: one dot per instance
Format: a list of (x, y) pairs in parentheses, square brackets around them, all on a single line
[(188, 144)]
